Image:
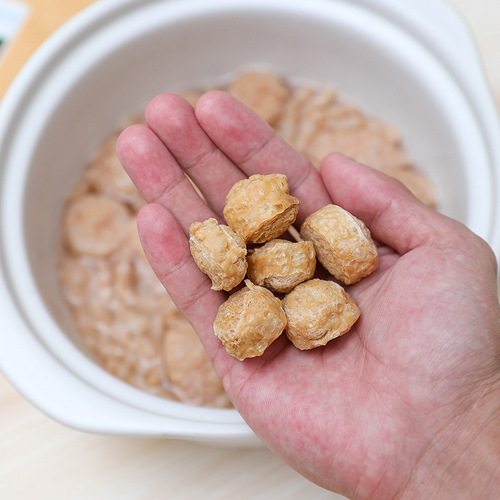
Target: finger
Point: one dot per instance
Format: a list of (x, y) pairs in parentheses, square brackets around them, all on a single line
[(158, 177), (256, 148), (173, 120), (167, 250), (394, 216)]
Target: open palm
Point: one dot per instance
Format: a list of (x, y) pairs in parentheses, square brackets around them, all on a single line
[(368, 414)]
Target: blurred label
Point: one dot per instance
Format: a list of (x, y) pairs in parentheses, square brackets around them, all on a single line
[(12, 17)]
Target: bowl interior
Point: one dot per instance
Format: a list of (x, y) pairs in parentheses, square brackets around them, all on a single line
[(118, 64)]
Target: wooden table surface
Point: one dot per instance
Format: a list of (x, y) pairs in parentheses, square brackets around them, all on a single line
[(41, 459)]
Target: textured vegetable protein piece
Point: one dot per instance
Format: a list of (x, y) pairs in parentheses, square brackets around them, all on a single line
[(260, 208), (265, 93), (249, 321), (105, 174), (343, 243), (188, 367), (95, 224), (219, 252), (318, 311), (280, 265)]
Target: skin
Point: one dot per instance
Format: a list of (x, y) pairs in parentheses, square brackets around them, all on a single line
[(405, 405)]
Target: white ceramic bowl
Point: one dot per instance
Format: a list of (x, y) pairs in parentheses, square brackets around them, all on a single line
[(410, 64)]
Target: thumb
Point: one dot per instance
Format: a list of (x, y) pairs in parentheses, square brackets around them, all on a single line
[(395, 217)]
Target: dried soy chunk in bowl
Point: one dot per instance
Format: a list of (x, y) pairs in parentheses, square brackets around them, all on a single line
[(280, 265), (260, 208), (95, 224), (265, 93), (318, 311), (123, 315), (219, 252), (188, 367), (343, 243), (315, 121), (249, 321), (106, 175)]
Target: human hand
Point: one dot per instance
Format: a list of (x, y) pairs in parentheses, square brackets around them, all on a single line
[(401, 406)]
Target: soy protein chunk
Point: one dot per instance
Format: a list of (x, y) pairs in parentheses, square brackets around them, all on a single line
[(219, 252), (260, 208), (280, 265), (249, 321), (318, 311), (343, 243)]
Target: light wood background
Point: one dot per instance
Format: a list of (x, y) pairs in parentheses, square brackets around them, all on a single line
[(42, 460)]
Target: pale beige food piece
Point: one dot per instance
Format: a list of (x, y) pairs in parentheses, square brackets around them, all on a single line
[(265, 93), (416, 181), (318, 311), (120, 310), (219, 252), (131, 355), (106, 175), (188, 367), (85, 281), (304, 115), (260, 208), (95, 224), (370, 147), (343, 243), (315, 122), (249, 321), (135, 283), (280, 265), (293, 117), (343, 116)]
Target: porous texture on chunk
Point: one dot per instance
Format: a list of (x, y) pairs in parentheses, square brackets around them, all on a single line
[(260, 208), (280, 265), (343, 243), (249, 321), (318, 311), (219, 252)]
